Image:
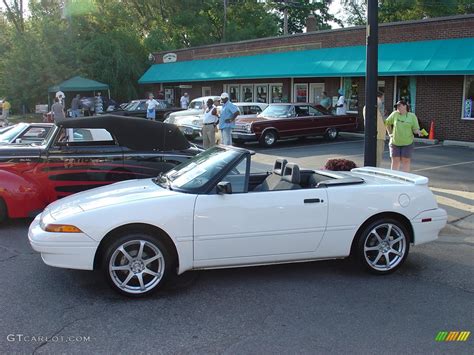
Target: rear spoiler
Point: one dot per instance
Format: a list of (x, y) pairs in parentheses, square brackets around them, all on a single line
[(392, 174)]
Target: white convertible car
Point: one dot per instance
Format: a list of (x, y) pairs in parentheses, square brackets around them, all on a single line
[(211, 212)]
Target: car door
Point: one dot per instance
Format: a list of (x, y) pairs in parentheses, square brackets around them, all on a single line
[(304, 120), (252, 227), (79, 159), (320, 121)]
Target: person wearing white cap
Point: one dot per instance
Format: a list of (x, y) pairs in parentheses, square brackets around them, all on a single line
[(229, 113), (341, 103)]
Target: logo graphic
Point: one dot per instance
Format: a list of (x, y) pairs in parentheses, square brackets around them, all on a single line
[(453, 336), (170, 58)]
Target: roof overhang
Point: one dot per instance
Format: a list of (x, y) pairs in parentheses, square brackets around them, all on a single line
[(439, 57)]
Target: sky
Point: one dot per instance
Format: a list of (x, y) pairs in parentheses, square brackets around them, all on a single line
[(334, 9)]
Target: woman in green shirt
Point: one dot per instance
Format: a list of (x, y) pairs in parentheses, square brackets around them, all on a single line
[(401, 126)]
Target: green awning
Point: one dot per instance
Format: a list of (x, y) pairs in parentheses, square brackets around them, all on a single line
[(78, 84), (440, 57)]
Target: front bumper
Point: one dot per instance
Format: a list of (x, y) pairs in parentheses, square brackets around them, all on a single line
[(246, 137), (190, 131), (65, 250), (428, 224)]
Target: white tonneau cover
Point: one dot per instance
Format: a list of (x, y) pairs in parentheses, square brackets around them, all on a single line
[(392, 174)]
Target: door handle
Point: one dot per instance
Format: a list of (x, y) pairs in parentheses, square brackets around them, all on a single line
[(313, 200)]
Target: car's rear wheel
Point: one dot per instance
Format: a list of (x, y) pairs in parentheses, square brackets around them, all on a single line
[(331, 134), (3, 210), (383, 246), (268, 138), (136, 264)]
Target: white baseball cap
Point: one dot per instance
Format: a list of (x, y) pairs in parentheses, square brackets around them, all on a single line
[(224, 95)]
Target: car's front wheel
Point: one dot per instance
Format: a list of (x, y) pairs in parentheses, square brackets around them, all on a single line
[(136, 264), (268, 138), (383, 246)]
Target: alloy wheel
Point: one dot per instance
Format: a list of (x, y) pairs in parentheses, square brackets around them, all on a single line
[(136, 266), (385, 247)]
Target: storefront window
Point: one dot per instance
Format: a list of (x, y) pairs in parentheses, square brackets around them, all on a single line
[(406, 90), (301, 92), (276, 93), (261, 93), (351, 92), (381, 88), (234, 93), (247, 93), (468, 110)]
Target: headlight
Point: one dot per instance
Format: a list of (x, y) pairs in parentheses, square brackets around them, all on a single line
[(168, 120), (248, 127), (60, 228), (196, 123)]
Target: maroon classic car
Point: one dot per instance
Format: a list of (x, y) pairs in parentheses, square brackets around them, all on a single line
[(281, 121)]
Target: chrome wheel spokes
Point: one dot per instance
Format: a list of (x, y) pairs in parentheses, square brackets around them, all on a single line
[(137, 266), (270, 138), (385, 247)]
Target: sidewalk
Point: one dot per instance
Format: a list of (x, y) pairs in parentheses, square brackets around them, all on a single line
[(417, 140)]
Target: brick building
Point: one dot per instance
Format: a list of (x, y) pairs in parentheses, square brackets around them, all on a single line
[(429, 62)]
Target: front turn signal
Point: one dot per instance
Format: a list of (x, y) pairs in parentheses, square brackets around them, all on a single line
[(62, 228)]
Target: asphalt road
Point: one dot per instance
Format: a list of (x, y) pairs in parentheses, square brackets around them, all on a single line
[(319, 307)]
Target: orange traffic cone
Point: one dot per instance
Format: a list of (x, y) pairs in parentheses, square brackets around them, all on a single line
[(432, 133)]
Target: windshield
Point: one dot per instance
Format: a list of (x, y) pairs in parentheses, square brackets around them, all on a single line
[(9, 135), (196, 172), (277, 111), (132, 106), (196, 105)]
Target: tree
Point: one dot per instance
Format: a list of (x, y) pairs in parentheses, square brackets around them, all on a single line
[(404, 10), (298, 12)]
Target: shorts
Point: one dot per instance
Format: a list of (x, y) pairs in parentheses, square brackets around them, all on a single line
[(401, 151)]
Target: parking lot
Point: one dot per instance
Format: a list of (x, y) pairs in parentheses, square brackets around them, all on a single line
[(319, 307)]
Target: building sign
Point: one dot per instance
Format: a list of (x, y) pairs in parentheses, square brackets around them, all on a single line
[(170, 58)]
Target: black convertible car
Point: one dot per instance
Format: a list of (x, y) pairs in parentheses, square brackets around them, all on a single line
[(137, 108), (83, 153)]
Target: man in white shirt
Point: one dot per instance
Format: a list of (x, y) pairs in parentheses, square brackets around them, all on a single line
[(151, 105), (341, 103), (210, 121), (184, 101)]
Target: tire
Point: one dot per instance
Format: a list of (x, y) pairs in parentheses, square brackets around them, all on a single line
[(331, 134), (132, 275), (239, 142), (3, 210), (268, 138), (383, 239)]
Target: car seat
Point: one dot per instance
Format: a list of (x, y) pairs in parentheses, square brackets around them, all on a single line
[(274, 178), (290, 180)]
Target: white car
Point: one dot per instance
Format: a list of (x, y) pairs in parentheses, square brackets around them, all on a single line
[(191, 125), (210, 212), (25, 133)]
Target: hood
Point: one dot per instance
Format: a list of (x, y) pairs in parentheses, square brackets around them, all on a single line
[(188, 112), (119, 193), (250, 119), (195, 120)]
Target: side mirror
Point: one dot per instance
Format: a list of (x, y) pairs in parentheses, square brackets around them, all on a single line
[(224, 187), (18, 140)]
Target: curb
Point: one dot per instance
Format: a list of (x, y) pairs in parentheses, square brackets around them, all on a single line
[(417, 140), (458, 143)]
